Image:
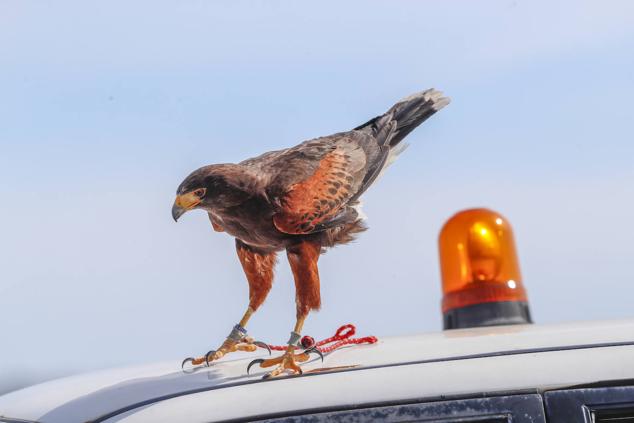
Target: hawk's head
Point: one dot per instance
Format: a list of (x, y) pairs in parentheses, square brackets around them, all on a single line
[(208, 188)]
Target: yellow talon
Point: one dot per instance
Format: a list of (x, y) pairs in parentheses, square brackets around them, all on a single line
[(286, 363), (229, 346)]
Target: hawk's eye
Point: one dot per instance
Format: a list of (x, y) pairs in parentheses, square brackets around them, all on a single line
[(200, 192)]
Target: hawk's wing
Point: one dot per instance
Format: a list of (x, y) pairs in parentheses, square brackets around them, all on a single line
[(316, 181), (316, 184)]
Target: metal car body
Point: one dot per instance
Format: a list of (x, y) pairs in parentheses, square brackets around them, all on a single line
[(519, 373)]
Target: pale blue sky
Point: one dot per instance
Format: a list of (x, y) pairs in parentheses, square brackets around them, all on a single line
[(106, 106)]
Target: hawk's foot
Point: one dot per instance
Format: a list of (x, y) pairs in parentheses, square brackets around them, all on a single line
[(236, 341), (286, 364)]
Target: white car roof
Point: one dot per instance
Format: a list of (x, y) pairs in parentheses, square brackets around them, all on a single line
[(449, 363)]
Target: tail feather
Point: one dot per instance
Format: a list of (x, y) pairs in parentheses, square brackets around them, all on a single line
[(389, 129), (405, 116)]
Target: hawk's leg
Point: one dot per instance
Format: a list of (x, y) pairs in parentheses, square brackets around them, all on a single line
[(303, 260), (258, 266)]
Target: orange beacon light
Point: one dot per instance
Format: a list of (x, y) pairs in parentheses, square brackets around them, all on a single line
[(481, 281)]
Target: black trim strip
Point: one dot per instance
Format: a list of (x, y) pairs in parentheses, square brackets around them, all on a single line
[(523, 408), (378, 366), (600, 384), (391, 403), (9, 420)]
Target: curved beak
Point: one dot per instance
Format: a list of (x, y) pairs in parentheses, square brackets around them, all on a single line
[(177, 211), (183, 204)]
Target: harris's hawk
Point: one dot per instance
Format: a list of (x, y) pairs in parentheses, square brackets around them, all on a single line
[(301, 200)]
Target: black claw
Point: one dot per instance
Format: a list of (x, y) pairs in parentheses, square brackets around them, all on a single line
[(256, 361), (190, 359), (209, 354), (316, 351), (263, 345)]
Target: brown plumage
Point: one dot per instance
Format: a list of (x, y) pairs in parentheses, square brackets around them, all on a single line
[(302, 199)]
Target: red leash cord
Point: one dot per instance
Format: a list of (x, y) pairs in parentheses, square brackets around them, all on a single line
[(342, 337)]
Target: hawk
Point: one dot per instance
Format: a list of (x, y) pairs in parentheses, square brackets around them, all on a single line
[(301, 200)]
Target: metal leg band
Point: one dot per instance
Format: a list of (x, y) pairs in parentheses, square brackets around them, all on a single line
[(295, 339), (237, 333)]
